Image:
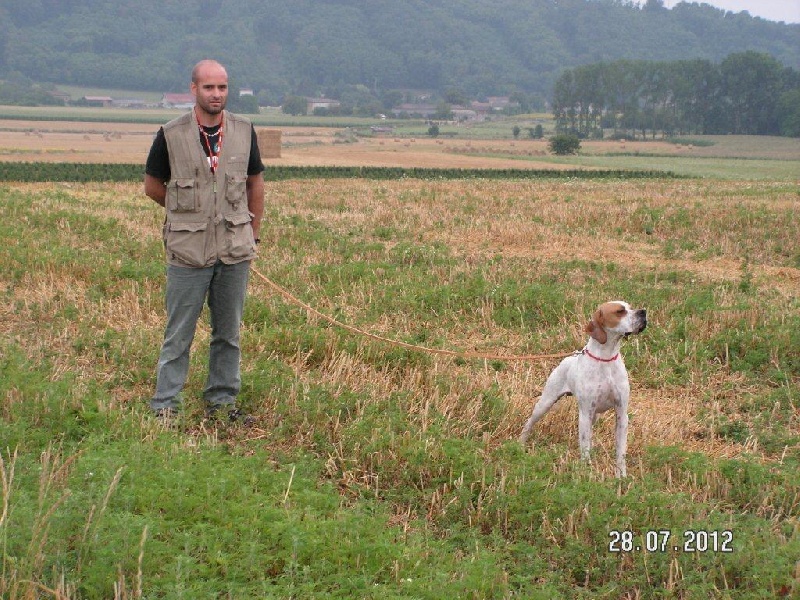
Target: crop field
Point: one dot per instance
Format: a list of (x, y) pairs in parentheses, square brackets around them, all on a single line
[(379, 471), (92, 141)]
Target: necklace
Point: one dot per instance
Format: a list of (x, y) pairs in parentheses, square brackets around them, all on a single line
[(214, 150)]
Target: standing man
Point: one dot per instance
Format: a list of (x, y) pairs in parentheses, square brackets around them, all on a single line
[(205, 169)]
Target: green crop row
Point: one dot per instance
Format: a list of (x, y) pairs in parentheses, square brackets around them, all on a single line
[(84, 172)]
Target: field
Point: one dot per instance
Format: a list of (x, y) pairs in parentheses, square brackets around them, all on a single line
[(378, 471), (86, 139)]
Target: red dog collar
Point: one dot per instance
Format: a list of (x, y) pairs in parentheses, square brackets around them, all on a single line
[(597, 358)]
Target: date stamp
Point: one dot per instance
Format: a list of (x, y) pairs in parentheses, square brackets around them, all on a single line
[(663, 540)]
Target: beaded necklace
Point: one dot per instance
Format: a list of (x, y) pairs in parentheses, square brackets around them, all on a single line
[(215, 149)]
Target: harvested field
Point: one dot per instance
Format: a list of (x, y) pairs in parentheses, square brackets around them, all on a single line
[(376, 470), (74, 141)]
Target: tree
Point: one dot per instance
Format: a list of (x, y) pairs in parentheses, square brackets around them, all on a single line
[(537, 132), (565, 143), (751, 85), (789, 111), (654, 5), (443, 112), (433, 130), (294, 105), (515, 131), (456, 96), (245, 104)]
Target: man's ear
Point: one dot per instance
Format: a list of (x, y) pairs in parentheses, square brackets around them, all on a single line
[(595, 327)]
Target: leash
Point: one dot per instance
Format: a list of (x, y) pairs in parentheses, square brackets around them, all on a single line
[(452, 353)]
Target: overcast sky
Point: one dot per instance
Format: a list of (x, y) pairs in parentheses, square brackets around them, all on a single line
[(774, 10)]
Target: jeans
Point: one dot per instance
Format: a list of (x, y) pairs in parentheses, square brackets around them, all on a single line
[(225, 287)]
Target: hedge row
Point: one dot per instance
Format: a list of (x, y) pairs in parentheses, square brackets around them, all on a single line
[(72, 172), (80, 172)]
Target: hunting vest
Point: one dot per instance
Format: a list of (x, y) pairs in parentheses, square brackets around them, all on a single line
[(207, 217)]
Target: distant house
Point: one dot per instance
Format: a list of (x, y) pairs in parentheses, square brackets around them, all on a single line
[(481, 108), (313, 104), (129, 102), (498, 102), (177, 101), (246, 92), (464, 114), (98, 100), (424, 111)]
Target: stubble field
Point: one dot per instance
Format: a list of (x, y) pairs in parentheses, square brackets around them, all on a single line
[(378, 471)]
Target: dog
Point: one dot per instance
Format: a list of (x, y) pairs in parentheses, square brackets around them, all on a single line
[(597, 377)]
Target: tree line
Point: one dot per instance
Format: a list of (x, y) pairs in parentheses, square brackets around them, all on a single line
[(747, 93), (365, 51)]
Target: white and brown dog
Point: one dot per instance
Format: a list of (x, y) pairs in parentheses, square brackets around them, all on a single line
[(597, 377)]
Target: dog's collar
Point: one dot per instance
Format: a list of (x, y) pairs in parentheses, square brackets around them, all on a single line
[(597, 358)]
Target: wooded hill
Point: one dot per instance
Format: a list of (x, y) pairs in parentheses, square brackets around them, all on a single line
[(311, 47)]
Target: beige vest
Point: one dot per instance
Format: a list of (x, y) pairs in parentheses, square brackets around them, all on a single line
[(207, 213)]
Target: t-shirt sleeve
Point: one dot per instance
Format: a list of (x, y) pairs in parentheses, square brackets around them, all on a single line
[(158, 159), (255, 166)]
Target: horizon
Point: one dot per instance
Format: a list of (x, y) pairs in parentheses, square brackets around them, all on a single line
[(787, 11)]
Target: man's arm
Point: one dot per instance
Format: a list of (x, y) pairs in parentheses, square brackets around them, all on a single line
[(255, 200), (156, 189)]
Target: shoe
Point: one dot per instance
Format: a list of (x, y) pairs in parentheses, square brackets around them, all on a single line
[(237, 416), (234, 415)]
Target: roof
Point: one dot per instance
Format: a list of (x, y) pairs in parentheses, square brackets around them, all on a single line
[(179, 98)]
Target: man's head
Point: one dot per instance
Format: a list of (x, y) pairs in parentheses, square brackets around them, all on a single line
[(209, 87)]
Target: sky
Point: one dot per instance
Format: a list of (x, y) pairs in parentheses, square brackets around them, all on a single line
[(773, 10)]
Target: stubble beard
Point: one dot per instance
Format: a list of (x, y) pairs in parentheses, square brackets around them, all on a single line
[(209, 109)]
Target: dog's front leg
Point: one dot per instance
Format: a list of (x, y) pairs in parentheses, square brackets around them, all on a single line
[(621, 433), (585, 433)]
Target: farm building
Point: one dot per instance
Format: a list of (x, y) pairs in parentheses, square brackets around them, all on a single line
[(177, 101), (313, 104), (415, 110), (98, 100)]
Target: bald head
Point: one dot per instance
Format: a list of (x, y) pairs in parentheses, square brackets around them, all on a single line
[(206, 68)]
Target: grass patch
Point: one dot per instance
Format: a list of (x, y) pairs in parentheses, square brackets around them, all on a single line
[(378, 472)]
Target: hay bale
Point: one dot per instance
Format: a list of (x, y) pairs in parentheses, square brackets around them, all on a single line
[(269, 143)]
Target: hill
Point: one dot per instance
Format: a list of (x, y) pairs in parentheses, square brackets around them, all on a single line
[(322, 46)]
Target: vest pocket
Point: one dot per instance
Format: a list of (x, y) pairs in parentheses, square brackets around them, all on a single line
[(186, 243), (236, 190), (182, 196), (239, 241)]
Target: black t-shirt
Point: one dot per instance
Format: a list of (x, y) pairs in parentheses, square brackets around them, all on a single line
[(158, 159)]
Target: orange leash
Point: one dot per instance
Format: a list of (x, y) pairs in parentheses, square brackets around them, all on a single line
[(456, 354)]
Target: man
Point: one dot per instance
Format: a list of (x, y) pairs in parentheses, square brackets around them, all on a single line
[(205, 169)]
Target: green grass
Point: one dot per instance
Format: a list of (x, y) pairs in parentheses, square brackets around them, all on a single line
[(377, 472), (711, 168)]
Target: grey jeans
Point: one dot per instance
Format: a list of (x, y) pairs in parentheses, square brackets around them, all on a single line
[(225, 287)]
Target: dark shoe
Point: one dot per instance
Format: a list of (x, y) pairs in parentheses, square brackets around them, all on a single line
[(237, 416), (234, 415)]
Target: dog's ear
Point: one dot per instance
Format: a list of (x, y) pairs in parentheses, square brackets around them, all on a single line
[(595, 327)]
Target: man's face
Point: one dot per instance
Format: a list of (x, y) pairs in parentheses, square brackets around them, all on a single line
[(211, 89)]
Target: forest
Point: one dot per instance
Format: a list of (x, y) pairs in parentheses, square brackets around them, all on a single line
[(748, 93), (372, 47)]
